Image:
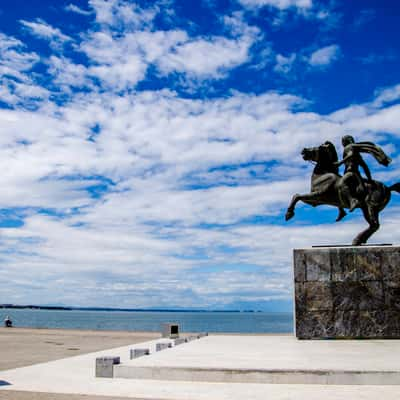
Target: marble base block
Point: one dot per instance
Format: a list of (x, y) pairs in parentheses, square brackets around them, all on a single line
[(347, 292)]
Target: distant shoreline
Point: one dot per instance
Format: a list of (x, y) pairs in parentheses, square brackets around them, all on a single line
[(65, 308)]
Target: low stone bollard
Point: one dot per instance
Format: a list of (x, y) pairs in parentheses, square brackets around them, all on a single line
[(170, 330), (163, 346), (135, 353), (179, 341), (105, 366)]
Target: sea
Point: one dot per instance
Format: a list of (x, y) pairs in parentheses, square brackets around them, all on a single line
[(201, 321)]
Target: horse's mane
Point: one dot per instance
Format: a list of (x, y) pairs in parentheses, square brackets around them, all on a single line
[(331, 156)]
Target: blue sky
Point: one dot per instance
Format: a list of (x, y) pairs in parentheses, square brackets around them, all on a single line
[(149, 149)]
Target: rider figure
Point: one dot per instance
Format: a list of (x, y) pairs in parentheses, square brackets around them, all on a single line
[(352, 188)]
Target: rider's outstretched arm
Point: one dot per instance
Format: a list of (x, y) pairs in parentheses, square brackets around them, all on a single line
[(339, 163)]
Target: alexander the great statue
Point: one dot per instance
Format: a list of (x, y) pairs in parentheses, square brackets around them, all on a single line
[(351, 190)]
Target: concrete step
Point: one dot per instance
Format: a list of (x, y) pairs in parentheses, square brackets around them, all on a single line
[(271, 360), (230, 375)]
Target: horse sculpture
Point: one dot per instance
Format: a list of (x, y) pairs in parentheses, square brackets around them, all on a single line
[(325, 189)]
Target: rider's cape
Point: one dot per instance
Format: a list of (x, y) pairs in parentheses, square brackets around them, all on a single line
[(374, 150)]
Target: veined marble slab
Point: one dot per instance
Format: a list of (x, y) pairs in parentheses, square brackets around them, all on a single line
[(347, 292)]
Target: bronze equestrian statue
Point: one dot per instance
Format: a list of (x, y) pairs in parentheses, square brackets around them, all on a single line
[(351, 190)]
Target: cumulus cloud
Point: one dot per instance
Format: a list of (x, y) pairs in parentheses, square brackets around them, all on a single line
[(67, 74), (123, 60), (206, 57), (122, 15), (324, 56)]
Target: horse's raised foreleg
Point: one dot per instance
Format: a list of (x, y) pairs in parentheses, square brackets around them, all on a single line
[(306, 198), (372, 217)]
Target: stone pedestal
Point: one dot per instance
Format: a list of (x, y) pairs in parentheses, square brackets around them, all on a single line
[(347, 292)]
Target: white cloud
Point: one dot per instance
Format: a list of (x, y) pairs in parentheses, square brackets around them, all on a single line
[(280, 4), (120, 76), (13, 57), (324, 56), (387, 95), (284, 64), (115, 230), (380, 121), (122, 60), (75, 9), (43, 30), (27, 91), (206, 57), (119, 61), (122, 14), (67, 74), (17, 87), (147, 230)]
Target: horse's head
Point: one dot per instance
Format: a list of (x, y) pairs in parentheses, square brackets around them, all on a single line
[(310, 154), (324, 155)]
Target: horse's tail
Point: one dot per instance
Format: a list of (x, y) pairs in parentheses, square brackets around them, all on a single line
[(395, 187)]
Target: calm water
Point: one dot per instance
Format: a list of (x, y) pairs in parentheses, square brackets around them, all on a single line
[(259, 322)]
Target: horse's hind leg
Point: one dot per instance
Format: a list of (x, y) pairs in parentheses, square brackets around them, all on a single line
[(295, 199), (372, 217), (341, 215)]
